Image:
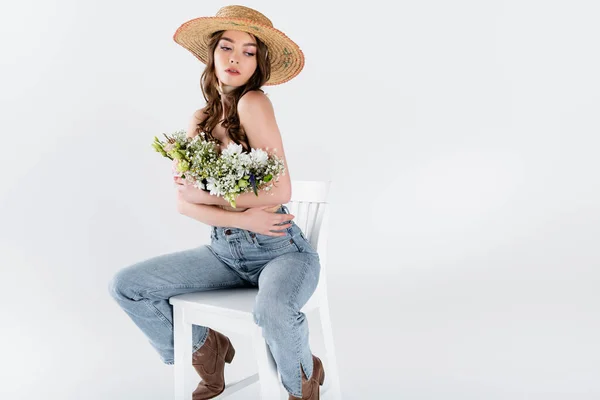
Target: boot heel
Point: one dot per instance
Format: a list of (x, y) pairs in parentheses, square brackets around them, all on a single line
[(322, 377), (230, 353)]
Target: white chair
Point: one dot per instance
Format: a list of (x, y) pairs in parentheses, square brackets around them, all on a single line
[(231, 310)]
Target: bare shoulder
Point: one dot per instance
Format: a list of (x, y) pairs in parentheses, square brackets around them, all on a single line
[(252, 102), (197, 118), (258, 119)]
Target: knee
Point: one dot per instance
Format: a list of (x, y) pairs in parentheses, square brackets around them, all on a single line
[(120, 285), (271, 312)]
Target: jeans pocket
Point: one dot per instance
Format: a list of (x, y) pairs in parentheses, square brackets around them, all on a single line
[(267, 242)]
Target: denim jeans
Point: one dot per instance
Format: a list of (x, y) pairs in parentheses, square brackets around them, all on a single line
[(285, 269)]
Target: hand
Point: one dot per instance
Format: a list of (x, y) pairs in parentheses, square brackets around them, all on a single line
[(190, 193), (258, 220)]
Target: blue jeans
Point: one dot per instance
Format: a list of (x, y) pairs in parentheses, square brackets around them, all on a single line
[(285, 269)]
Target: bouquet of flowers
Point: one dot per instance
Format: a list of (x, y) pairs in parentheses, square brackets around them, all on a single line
[(194, 155), (228, 173)]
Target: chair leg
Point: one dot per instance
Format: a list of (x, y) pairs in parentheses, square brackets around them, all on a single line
[(183, 353), (267, 369), (333, 391)]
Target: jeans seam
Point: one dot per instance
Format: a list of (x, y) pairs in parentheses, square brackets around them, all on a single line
[(195, 347), (188, 286), (157, 312), (292, 300)]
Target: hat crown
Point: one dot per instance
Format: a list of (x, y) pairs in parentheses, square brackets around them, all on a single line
[(241, 12)]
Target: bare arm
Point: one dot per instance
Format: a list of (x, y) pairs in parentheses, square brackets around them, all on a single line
[(272, 197), (208, 214), (258, 118), (254, 219)]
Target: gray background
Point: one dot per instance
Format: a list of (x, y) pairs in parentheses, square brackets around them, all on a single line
[(461, 138)]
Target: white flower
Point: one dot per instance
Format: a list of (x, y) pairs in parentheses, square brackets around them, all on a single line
[(212, 185), (232, 149), (245, 158), (259, 156), (199, 185)]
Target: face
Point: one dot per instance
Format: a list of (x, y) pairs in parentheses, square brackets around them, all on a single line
[(236, 50)]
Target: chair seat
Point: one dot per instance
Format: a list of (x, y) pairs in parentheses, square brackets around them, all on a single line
[(238, 299), (235, 302)]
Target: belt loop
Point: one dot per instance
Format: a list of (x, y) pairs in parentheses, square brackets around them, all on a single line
[(249, 236), (287, 211)]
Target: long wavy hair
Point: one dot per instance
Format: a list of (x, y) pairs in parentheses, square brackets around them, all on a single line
[(214, 106)]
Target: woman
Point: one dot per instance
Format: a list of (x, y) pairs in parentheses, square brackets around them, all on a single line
[(255, 244)]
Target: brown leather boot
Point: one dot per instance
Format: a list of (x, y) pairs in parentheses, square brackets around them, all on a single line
[(310, 387), (209, 361)]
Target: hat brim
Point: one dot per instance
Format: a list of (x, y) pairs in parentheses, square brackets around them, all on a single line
[(287, 60)]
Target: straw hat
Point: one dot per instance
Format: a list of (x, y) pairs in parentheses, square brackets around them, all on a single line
[(287, 60)]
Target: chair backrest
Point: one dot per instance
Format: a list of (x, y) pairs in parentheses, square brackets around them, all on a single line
[(310, 207)]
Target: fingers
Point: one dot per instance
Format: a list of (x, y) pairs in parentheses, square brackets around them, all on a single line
[(285, 218), (282, 223), (280, 231)]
